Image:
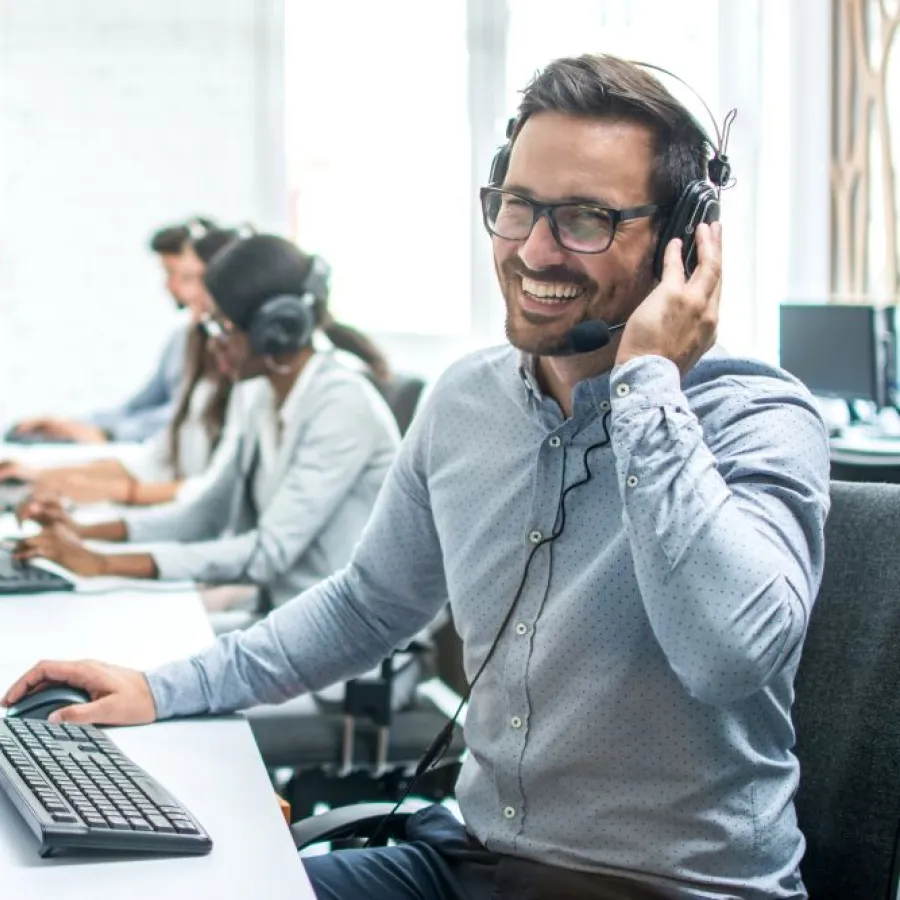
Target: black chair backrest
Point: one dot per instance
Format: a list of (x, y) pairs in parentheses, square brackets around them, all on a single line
[(402, 394), (847, 707)]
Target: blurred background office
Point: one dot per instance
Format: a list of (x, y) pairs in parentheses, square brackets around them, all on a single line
[(335, 123)]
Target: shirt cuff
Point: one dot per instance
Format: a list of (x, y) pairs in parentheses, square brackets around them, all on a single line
[(645, 381), (177, 690), (171, 561)]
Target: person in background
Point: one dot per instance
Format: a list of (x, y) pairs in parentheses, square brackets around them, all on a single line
[(200, 435), (150, 408), (287, 509)]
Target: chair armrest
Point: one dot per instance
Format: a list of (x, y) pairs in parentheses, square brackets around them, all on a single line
[(359, 820)]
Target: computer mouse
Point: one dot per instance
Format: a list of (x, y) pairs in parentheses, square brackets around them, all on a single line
[(40, 704)]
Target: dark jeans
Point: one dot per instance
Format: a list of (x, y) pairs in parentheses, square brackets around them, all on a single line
[(441, 861)]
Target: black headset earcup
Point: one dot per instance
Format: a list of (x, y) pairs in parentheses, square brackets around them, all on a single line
[(499, 165), (698, 203), (282, 325)]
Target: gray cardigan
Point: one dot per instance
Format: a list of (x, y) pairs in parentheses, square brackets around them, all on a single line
[(343, 439)]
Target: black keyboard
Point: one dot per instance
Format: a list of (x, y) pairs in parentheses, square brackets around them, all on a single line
[(24, 578), (77, 791)]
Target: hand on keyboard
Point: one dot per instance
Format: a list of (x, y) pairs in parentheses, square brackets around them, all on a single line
[(62, 546), (119, 696)]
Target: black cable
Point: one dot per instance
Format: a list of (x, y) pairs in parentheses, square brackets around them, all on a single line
[(438, 747)]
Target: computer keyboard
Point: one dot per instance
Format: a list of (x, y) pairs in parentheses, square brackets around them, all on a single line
[(77, 791), (24, 578)]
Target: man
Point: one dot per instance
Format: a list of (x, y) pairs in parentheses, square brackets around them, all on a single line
[(630, 737), (151, 407)]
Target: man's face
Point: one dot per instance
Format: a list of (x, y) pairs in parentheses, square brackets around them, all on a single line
[(547, 288), (171, 263)]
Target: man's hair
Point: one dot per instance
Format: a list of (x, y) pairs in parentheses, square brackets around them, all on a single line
[(171, 239), (606, 87)]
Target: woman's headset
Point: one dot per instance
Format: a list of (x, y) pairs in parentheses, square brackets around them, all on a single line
[(286, 323), (699, 201)]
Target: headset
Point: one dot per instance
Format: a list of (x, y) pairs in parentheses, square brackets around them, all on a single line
[(286, 323), (197, 228), (699, 201)]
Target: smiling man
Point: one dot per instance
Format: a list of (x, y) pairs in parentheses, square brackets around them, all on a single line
[(630, 539)]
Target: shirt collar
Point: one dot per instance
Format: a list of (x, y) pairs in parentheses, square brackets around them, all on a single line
[(587, 396)]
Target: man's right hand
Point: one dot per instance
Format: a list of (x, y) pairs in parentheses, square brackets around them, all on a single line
[(46, 511), (119, 696)]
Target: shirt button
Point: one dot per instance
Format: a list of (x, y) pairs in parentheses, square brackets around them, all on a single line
[(605, 405), (516, 722), (535, 537), (631, 481), (521, 628), (554, 441), (622, 390), (509, 812)]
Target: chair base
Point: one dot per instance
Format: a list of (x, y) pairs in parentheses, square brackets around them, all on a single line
[(307, 788)]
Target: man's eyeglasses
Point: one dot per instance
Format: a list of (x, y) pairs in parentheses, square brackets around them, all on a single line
[(579, 227)]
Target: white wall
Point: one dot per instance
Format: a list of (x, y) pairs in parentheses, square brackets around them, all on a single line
[(117, 116)]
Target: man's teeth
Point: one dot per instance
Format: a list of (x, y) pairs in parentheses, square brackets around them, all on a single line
[(551, 292)]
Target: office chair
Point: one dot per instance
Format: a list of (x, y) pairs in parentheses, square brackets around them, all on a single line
[(846, 713), (402, 394), (362, 749)]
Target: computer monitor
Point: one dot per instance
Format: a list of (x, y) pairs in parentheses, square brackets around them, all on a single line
[(837, 350)]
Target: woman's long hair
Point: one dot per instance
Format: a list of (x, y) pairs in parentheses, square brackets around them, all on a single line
[(199, 365)]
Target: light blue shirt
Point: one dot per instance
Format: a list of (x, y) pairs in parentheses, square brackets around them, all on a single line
[(636, 717), (151, 407)]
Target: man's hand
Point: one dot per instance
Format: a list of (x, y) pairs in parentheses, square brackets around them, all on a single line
[(679, 318), (118, 696), (46, 510), (63, 429), (61, 545)]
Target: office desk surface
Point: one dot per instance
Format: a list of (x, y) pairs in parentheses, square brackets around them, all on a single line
[(211, 765), (855, 448)]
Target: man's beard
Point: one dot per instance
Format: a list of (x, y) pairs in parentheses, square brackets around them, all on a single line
[(559, 344)]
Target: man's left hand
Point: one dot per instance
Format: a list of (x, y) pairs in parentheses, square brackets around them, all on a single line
[(679, 318), (61, 545)]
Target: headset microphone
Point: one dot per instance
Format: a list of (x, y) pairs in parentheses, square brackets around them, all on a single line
[(586, 337)]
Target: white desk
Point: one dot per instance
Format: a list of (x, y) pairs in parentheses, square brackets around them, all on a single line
[(210, 764), (857, 448)]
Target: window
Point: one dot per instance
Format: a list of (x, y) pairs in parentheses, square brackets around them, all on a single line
[(654, 31), (378, 159)]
